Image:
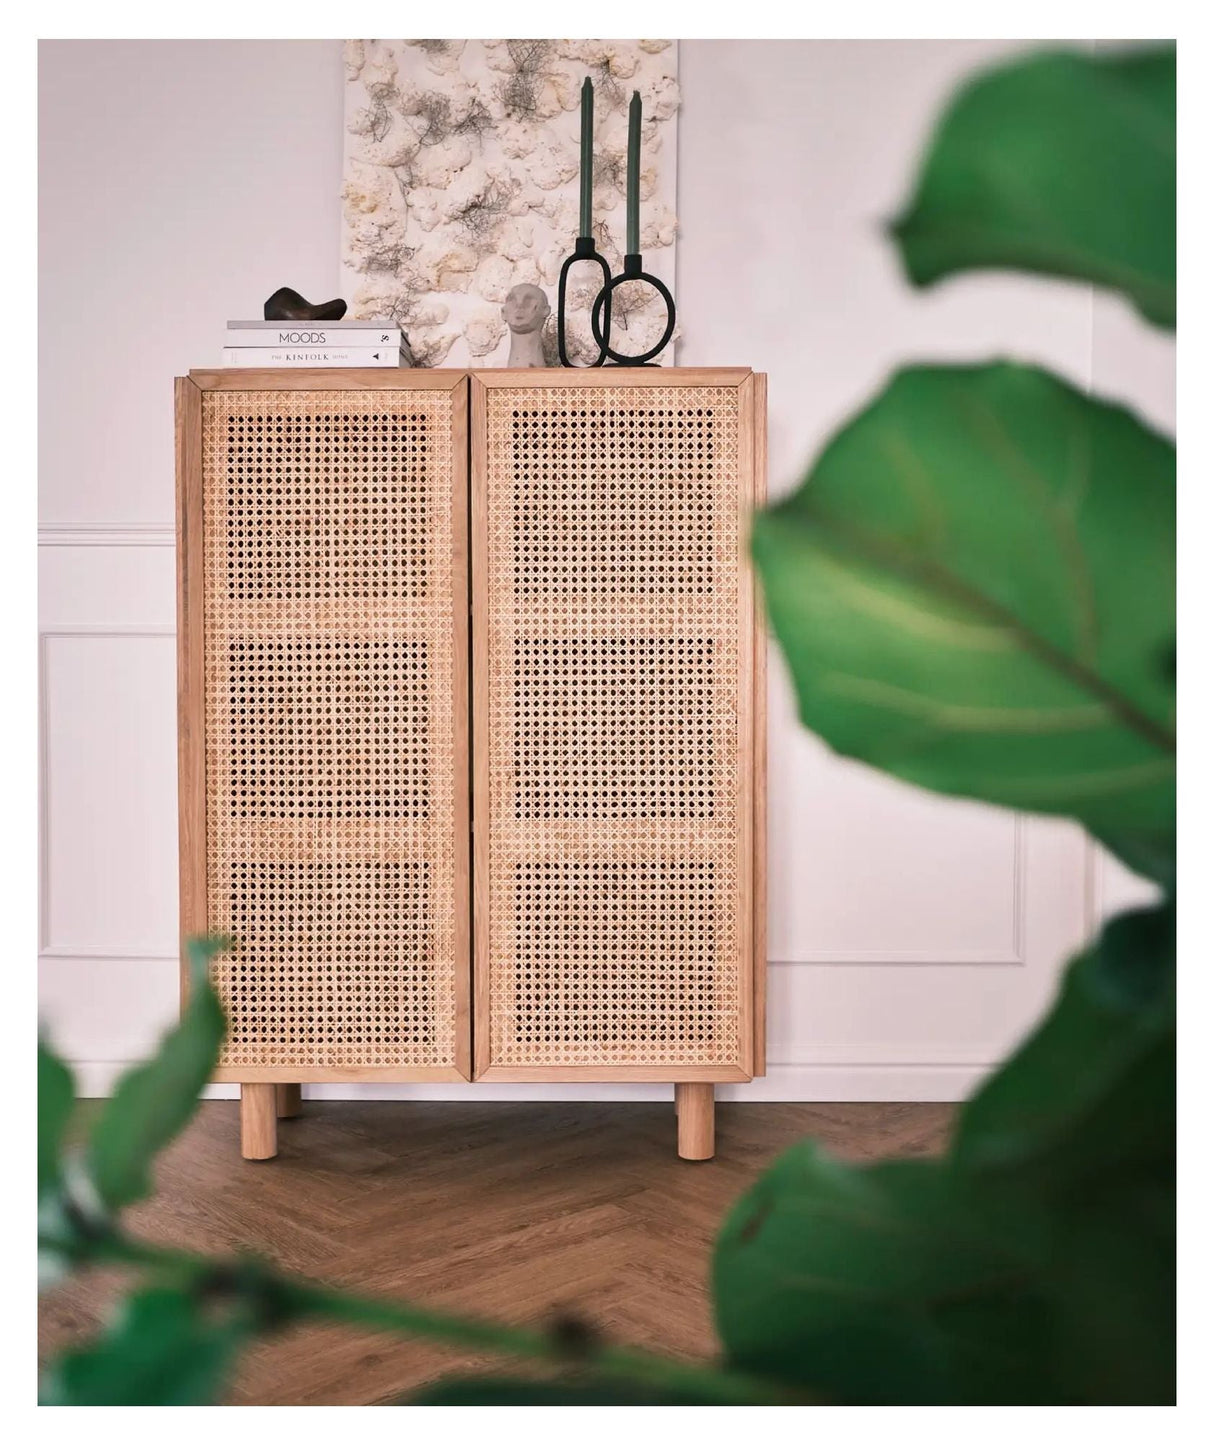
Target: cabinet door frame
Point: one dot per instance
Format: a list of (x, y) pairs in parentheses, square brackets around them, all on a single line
[(191, 695), (751, 711)]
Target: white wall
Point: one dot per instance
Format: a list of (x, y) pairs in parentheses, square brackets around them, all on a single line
[(912, 938), (181, 182)]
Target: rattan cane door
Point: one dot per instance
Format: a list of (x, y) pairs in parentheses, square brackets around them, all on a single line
[(323, 645), (615, 671)]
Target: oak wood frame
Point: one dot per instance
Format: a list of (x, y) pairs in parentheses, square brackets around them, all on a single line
[(191, 681), (759, 739), (695, 1109), (472, 758), (752, 715)]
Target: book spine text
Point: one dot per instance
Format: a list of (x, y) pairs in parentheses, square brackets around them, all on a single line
[(315, 337), (271, 356)]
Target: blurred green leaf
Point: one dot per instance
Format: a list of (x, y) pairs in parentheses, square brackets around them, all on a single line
[(57, 1224), (1094, 1087), (1111, 1269), (973, 588), (877, 1285), (56, 1097), (152, 1103), (1062, 164), (1034, 1264), (165, 1349), (1150, 854), (1078, 1131)]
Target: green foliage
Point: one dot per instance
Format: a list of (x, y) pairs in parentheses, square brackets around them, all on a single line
[(165, 1349), (877, 1285), (1063, 164), (78, 1197), (178, 1336), (974, 591), (55, 1102), (152, 1103), (56, 1096), (950, 587), (1034, 1263), (1045, 1121)]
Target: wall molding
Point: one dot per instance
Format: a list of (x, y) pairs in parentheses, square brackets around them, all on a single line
[(1094, 901), (73, 632), (106, 533), (951, 1078), (1013, 956), (876, 959), (66, 952), (880, 1054)]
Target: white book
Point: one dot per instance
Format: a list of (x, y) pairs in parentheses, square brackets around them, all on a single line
[(271, 356), (301, 333)]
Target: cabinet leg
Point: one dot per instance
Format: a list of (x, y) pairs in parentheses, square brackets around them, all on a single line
[(288, 1098), (258, 1121), (695, 1107)]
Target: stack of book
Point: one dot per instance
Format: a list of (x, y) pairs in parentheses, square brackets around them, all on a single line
[(315, 343)]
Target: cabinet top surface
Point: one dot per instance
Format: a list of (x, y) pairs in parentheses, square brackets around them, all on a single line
[(240, 378)]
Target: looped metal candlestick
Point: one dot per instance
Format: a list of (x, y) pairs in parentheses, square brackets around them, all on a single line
[(633, 270), (584, 248)]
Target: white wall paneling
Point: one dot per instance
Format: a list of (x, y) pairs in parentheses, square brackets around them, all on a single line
[(108, 1011), (913, 938), (108, 794), (108, 533)]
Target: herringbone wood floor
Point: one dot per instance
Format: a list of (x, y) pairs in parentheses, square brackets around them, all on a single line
[(510, 1211)]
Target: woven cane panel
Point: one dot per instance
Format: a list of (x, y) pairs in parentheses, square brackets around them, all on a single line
[(329, 727), (581, 532), (585, 744), (333, 955), (330, 750), (580, 928), (613, 540)]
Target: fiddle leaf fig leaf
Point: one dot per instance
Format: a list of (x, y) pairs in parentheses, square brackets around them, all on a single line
[(973, 589), (166, 1349), (1062, 164), (877, 1285), (1035, 1261), (1090, 1088), (56, 1225), (154, 1101), (56, 1097)]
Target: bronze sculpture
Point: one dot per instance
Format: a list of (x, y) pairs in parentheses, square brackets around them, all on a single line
[(288, 305)]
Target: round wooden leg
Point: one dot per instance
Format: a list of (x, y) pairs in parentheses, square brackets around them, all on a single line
[(695, 1107), (258, 1121), (289, 1098)]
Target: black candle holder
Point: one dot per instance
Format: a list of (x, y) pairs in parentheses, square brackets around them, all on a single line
[(632, 272), (583, 250)]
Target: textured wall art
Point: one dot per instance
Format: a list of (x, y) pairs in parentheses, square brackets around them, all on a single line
[(461, 181)]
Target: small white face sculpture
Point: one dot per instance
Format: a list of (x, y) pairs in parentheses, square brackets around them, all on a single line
[(525, 310)]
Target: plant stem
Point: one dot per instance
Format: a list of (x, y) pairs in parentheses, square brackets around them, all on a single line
[(529, 1343), (287, 1300)]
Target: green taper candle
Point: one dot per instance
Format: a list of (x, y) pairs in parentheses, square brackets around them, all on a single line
[(587, 154), (634, 175)]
